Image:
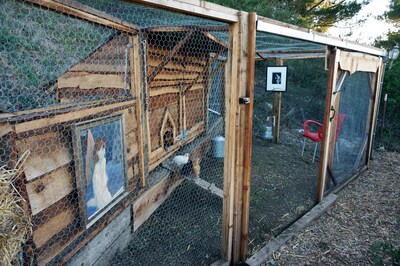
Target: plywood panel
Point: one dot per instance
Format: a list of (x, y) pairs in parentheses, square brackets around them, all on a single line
[(85, 80), (48, 152), (49, 189)]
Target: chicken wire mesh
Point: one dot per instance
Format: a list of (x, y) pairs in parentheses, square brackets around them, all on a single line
[(283, 182), (124, 129), (352, 136)]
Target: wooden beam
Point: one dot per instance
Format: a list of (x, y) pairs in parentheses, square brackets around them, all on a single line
[(251, 44), (195, 7), (170, 55), (215, 39), (231, 84), (375, 109), (71, 116), (208, 186), (277, 108), (136, 88), (208, 65), (204, 29), (78, 10), (240, 140), (331, 84), (289, 52)]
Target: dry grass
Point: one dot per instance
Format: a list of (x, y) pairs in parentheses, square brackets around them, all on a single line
[(366, 215), (15, 224)]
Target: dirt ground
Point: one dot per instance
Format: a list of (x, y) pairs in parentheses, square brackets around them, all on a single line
[(361, 228), (283, 187)]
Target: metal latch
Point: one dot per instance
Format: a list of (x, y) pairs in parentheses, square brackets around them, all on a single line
[(244, 100)]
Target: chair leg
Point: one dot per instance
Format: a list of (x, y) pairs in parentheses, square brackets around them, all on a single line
[(304, 146), (315, 151)]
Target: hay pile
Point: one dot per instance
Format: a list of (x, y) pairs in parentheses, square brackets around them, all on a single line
[(15, 224)]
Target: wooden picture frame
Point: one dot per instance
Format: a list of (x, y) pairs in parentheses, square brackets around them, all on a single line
[(276, 79), (100, 165)]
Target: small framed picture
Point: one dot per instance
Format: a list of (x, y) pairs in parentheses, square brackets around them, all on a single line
[(100, 165), (276, 78)]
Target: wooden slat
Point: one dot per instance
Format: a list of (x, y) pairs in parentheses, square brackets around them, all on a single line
[(84, 81), (186, 28), (5, 128), (215, 39), (239, 141), (71, 116), (331, 84), (187, 73), (96, 68), (377, 90), (170, 55), (136, 87), (24, 116), (160, 52), (131, 145), (163, 100), (55, 225), (48, 152), (152, 199), (231, 83), (248, 133), (86, 13), (195, 7), (50, 188), (153, 63)]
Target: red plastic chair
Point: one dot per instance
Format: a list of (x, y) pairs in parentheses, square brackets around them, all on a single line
[(317, 136)]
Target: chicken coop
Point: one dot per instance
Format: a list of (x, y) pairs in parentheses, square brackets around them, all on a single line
[(131, 125)]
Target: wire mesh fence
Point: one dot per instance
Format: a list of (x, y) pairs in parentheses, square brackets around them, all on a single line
[(283, 179), (352, 131), (122, 109)]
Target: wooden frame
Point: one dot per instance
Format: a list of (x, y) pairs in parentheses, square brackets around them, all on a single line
[(91, 140), (239, 78)]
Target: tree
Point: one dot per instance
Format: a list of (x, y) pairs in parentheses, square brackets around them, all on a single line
[(391, 85), (319, 15)]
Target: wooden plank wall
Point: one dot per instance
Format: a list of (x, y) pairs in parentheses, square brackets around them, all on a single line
[(167, 97), (102, 74), (51, 180)]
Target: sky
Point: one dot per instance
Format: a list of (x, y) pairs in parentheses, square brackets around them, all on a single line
[(368, 31)]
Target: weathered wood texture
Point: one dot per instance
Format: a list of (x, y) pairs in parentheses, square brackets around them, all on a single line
[(104, 73), (151, 199), (231, 83), (78, 10), (177, 76), (50, 177), (248, 133)]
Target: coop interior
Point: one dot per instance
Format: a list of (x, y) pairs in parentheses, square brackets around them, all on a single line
[(288, 130), (113, 116)]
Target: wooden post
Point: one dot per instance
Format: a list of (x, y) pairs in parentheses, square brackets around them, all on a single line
[(136, 87), (324, 157), (276, 109), (251, 46), (375, 109), (231, 81)]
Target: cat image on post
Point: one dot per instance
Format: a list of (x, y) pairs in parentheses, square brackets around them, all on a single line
[(102, 195)]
